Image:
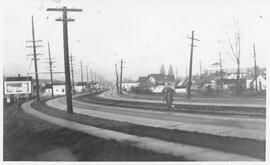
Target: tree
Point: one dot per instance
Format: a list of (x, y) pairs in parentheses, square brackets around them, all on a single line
[(162, 70), (170, 71), (233, 49)]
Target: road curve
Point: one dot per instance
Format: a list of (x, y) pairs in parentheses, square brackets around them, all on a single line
[(222, 126)]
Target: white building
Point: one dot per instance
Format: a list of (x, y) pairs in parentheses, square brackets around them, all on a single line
[(261, 83), (127, 85), (58, 90)]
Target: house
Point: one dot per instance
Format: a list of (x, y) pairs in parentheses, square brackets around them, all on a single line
[(261, 83), (181, 87), (157, 89), (160, 79), (229, 84), (128, 84), (80, 87), (58, 90), (143, 80)]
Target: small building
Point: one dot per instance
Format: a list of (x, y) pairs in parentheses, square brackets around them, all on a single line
[(231, 84), (128, 84), (160, 79), (261, 83), (143, 79), (181, 87), (58, 90)]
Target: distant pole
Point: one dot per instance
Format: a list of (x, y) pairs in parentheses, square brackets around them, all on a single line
[(65, 20), (255, 68), (117, 86), (72, 72), (87, 80), (82, 75), (201, 76), (50, 63), (35, 59), (221, 74), (121, 76), (190, 65)]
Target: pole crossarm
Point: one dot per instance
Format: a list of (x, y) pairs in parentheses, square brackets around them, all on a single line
[(37, 54), (61, 19), (64, 9)]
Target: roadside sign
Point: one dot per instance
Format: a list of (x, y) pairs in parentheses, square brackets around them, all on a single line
[(17, 87)]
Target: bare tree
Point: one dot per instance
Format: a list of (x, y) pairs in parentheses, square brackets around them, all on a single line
[(233, 49)]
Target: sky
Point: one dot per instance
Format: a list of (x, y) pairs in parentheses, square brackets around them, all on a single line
[(144, 33)]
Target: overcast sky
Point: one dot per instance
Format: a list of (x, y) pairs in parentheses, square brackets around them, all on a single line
[(145, 33)]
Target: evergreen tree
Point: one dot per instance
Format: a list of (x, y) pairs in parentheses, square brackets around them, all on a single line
[(162, 70), (170, 71)]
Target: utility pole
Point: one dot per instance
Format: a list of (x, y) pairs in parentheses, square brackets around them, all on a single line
[(190, 65), (221, 74), (186, 71), (50, 63), (255, 68), (87, 80), (65, 20), (121, 76), (72, 72), (201, 76), (82, 75), (35, 57), (117, 86)]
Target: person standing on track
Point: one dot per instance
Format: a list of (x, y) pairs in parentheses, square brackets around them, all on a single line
[(168, 98)]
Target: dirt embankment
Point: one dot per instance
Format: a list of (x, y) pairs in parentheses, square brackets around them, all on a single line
[(31, 139)]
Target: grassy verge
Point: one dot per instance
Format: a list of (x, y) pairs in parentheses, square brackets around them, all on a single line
[(27, 138), (253, 148)]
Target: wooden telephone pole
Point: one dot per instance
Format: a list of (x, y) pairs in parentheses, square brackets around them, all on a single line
[(190, 65), (50, 65), (35, 57), (72, 72), (65, 20), (82, 75), (255, 68), (221, 74), (117, 84), (121, 76)]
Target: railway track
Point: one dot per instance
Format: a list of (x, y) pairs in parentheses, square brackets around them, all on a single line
[(254, 112)]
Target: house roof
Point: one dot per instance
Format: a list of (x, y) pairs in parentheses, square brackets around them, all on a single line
[(129, 81), (143, 79), (161, 77), (256, 78), (230, 81), (20, 78)]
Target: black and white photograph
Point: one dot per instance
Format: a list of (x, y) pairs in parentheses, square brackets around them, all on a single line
[(135, 81)]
